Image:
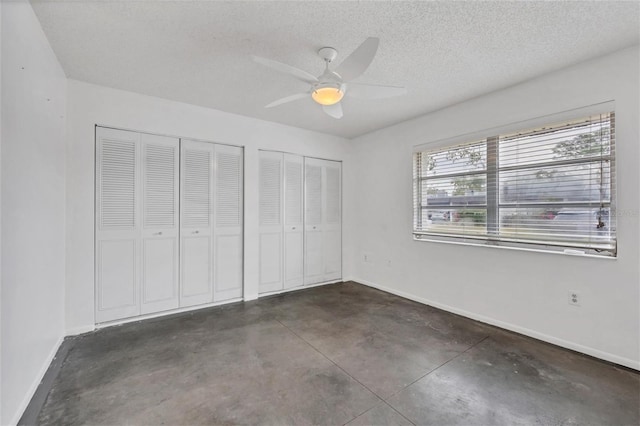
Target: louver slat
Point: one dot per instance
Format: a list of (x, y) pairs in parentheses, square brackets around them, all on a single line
[(333, 195), (270, 181), (159, 181), (228, 189), (293, 196), (313, 205), (117, 184), (196, 188)]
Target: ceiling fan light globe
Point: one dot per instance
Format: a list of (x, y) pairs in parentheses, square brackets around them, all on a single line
[(327, 95)]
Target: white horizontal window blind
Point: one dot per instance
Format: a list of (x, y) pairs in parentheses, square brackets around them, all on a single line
[(451, 191), (553, 187)]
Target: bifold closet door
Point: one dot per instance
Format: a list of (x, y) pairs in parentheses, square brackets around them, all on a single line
[(313, 219), (160, 245), (281, 242), (332, 225), (117, 224), (196, 222), (136, 224), (293, 221), (271, 233), (228, 236), (322, 221)]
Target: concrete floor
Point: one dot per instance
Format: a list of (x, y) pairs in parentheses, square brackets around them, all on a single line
[(338, 354)]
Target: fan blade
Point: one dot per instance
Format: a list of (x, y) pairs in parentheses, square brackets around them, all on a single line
[(287, 69), (373, 91), (357, 63), (286, 99), (334, 110)]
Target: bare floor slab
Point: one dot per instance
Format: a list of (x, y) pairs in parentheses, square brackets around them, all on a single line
[(337, 354)]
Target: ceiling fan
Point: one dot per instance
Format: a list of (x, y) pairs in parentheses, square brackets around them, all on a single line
[(330, 87)]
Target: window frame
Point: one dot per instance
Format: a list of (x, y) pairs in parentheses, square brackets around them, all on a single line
[(491, 138)]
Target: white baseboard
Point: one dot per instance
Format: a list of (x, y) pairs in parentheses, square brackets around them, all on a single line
[(165, 313), (80, 330), (300, 287), (626, 362), (250, 297), (88, 328), (34, 385)]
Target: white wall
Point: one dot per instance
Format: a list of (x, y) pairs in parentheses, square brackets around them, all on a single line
[(89, 105), (33, 193), (0, 212), (520, 290)]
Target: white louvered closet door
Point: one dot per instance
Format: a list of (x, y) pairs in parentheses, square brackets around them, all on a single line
[(196, 222), (117, 251), (332, 220), (160, 245), (293, 221), (228, 237), (271, 236), (313, 220)]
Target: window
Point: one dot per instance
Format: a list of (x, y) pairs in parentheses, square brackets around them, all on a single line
[(552, 188)]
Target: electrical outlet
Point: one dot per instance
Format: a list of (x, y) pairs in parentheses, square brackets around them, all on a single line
[(574, 298), (367, 258)]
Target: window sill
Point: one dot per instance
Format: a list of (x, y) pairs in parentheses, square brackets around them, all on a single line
[(508, 246)]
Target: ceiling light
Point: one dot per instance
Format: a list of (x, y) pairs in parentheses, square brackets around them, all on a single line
[(327, 95)]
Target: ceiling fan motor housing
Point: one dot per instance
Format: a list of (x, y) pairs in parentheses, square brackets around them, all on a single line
[(328, 53), (328, 81)]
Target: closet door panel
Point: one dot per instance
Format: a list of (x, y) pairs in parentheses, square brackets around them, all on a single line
[(313, 232), (196, 231), (228, 247), (332, 221), (293, 259), (332, 255), (160, 223), (196, 270), (117, 283), (314, 265), (293, 221), (270, 204), (229, 273), (159, 275), (270, 261), (117, 226)]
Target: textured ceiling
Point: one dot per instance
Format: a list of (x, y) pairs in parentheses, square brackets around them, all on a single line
[(443, 52)]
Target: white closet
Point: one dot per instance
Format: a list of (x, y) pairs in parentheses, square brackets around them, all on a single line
[(300, 228), (150, 258)]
